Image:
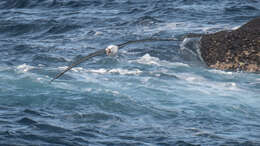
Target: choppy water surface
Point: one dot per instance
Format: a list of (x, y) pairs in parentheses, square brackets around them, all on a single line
[(157, 93)]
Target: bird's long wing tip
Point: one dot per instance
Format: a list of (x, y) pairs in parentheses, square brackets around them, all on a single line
[(51, 80)]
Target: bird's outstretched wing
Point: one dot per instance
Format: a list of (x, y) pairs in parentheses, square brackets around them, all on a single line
[(146, 40), (103, 51), (97, 53)]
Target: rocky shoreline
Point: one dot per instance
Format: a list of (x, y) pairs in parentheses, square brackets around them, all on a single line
[(237, 50)]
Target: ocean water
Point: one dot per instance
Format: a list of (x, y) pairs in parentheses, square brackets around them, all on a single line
[(156, 93)]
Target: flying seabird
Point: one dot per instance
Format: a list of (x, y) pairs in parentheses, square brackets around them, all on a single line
[(111, 50)]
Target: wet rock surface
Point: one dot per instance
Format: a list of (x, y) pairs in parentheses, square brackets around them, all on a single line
[(233, 50)]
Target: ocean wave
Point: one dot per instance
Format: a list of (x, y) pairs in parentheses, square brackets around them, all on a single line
[(13, 28), (106, 71), (209, 86), (36, 27), (150, 94), (45, 59), (4, 68), (242, 8), (22, 4), (62, 28), (221, 72), (146, 21), (150, 60)]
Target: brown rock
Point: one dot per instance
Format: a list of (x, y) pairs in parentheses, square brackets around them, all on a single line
[(233, 50)]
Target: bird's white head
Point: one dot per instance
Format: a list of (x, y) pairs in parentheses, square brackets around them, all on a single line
[(112, 50)]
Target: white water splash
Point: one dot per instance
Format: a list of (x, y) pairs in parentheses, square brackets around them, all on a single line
[(125, 72), (191, 78), (105, 71), (150, 60), (75, 69), (24, 67), (220, 72), (208, 85), (183, 46), (112, 91), (235, 27), (118, 70)]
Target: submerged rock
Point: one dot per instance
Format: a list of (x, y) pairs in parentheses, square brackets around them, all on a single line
[(233, 50)]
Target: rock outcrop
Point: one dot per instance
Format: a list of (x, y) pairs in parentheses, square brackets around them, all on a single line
[(233, 50)]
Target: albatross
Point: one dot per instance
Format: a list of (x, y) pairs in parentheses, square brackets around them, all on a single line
[(111, 50)]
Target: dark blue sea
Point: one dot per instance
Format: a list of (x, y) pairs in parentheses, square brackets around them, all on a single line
[(152, 93)]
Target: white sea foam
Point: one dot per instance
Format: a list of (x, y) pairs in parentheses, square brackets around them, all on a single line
[(88, 89), (220, 72), (100, 71), (181, 26), (39, 78), (105, 71), (171, 26), (24, 67), (183, 46), (208, 86), (75, 69), (41, 65), (235, 27), (62, 67), (125, 72), (118, 70), (192, 78), (150, 60), (112, 91)]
